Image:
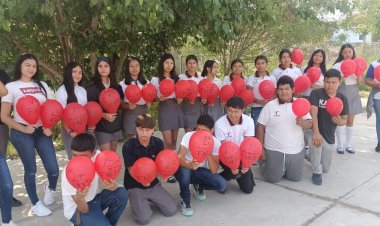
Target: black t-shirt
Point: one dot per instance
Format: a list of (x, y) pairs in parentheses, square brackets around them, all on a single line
[(132, 151), (4, 78), (327, 127)]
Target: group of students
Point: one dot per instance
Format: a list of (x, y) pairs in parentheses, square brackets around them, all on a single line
[(272, 122)]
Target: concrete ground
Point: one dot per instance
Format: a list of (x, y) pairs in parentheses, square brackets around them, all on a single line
[(350, 195)]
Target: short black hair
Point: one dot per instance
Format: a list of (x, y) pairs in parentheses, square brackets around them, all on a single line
[(236, 102), (83, 142), (285, 80), (333, 73), (206, 120), (145, 121)]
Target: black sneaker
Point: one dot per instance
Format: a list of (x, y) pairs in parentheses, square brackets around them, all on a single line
[(316, 179), (377, 149), (171, 180), (16, 202)]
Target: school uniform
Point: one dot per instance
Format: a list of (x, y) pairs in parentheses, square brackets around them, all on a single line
[(283, 142), (130, 115), (216, 111), (226, 131), (192, 111), (227, 80), (170, 115), (292, 72)]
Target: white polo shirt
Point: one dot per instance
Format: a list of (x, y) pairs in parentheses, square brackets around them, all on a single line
[(254, 82), (227, 80), (225, 131), (293, 72), (124, 87), (79, 91), (281, 131), (156, 82), (349, 80), (185, 142), (69, 206)]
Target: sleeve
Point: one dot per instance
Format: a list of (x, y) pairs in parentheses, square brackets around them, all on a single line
[(10, 96), (128, 156), (217, 144), (61, 96), (307, 117), (250, 81), (264, 115), (370, 72), (186, 139), (66, 187), (251, 128), (156, 84), (313, 98), (219, 131), (226, 80)]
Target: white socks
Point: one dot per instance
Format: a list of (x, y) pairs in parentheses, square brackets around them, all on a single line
[(349, 131), (340, 131)]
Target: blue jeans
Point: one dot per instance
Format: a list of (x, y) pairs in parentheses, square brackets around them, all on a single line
[(26, 146), (377, 111), (255, 112), (6, 191), (115, 201), (202, 176)]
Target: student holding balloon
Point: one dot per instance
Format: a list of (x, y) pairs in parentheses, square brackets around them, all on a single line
[(210, 70), (131, 109), (236, 72), (103, 90), (286, 67), (280, 130), (373, 79), (27, 134), (71, 91), (140, 178), (201, 171), (192, 110), (329, 109), (350, 89), (83, 203), (235, 126), (263, 86)]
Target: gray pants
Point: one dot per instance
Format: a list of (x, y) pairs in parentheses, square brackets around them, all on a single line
[(321, 157), (4, 137), (140, 199), (278, 165)]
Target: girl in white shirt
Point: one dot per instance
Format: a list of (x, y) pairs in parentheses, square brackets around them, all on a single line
[(286, 67), (236, 72), (26, 138), (349, 88), (71, 91)]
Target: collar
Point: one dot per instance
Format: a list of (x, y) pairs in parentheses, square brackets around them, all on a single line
[(149, 145), (189, 76), (231, 124), (281, 102), (283, 68)]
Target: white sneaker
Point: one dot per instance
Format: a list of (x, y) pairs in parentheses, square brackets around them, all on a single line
[(40, 210), (49, 195), (11, 223)]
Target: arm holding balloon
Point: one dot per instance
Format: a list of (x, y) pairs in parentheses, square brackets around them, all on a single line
[(306, 124), (6, 109), (340, 120), (213, 163), (110, 185), (109, 117), (79, 199), (185, 163), (131, 173)]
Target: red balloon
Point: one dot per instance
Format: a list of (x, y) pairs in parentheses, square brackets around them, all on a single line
[(376, 73), (94, 113), (313, 73), (334, 106), (29, 109), (361, 66), (193, 91), (266, 89), (110, 100), (75, 116), (301, 107), (133, 93), (297, 56), (108, 165), (149, 92), (80, 172), (301, 84), (229, 154), (166, 87), (348, 67), (214, 93), (247, 96), (51, 113), (167, 163), (226, 93), (204, 88), (182, 89), (144, 170), (201, 145), (239, 85), (250, 151)]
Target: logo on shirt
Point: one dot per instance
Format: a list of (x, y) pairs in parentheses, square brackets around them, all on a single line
[(322, 103), (276, 113), (30, 90)]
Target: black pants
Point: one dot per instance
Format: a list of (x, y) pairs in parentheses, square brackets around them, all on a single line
[(245, 181)]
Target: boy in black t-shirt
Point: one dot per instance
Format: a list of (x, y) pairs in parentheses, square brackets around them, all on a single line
[(140, 196), (324, 125)]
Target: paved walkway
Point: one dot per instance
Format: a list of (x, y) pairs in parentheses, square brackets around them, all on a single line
[(350, 195)]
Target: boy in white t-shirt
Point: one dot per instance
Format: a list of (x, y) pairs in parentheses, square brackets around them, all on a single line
[(281, 134), (235, 126), (202, 175), (85, 208)]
